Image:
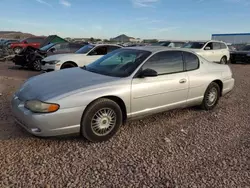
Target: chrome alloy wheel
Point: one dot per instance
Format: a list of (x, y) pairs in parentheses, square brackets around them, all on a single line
[(103, 121), (212, 96), (37, 64)]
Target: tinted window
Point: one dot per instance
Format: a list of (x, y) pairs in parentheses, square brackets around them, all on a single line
[(100, 50), (216, 46), (45, 48), (195, 45), (85, 49), (223, 46), (191, 60), (165, 62), (178, 44), (210, 46), (119, 63), (112, 48), (246, 48)]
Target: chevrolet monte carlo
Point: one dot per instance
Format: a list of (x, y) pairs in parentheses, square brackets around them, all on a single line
[(95, 100)]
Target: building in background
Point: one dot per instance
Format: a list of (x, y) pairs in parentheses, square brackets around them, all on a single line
[(233, 38)]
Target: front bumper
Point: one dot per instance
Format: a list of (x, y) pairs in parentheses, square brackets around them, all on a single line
[(62, 122), (46, 67)]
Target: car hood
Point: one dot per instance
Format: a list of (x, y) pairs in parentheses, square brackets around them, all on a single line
[(62, 56), (54, 84)]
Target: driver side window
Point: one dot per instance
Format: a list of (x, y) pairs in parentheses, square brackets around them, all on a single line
[(165, 62), (209, 46), (102, 50)]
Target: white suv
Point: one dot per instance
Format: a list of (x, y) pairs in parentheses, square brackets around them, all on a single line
[(215, 51)]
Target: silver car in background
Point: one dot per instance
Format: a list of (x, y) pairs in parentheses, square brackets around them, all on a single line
[(127, 83)]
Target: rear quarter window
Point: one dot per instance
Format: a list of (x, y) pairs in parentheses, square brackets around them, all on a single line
[(191, 61)]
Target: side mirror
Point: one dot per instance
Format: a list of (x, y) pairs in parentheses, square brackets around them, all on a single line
[(207, 48), (148, 73), (25, 42)]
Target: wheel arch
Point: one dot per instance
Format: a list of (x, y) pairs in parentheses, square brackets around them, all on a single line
[(72, 62), (220, 83), (117, 100)]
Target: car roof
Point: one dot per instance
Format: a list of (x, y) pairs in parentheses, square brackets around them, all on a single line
[(154, 49), (105, 45)]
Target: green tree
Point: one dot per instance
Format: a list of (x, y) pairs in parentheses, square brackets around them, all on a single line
[(91, 39)]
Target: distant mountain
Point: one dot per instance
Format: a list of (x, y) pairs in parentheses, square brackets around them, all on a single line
[(15, 35)]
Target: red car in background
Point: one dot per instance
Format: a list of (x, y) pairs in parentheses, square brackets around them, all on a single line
[(32, 41)]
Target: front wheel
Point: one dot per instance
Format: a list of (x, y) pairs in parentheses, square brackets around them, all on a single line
[(211, 96), (101, 120), (37, 65)]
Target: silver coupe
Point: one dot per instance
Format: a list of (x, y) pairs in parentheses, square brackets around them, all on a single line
[(95, 100)]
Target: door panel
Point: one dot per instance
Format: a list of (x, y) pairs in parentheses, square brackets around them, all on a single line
[(209, 54), (155, 94)]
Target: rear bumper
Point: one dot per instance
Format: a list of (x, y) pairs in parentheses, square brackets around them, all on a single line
[(228, 86), (61, 122)]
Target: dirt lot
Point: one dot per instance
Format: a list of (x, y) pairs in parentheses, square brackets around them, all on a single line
[(182, 148)]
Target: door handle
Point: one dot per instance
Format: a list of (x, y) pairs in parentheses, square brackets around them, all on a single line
[(182, 81)]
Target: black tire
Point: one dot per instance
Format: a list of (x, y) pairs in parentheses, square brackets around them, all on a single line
[(206, 103), (17, 50), (36, 65), (87, 129), (68, 65), (223, 60)]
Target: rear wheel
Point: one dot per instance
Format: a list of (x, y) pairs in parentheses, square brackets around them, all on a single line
[(223, 60), (101, 120), (211, 96), (68, 65)]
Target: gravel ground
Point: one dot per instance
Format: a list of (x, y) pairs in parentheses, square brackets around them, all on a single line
[(181, 148)]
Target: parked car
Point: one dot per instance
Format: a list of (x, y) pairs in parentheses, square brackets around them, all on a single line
[(215, 51), (94, 100), (32, 41), (241, 56), (6, 43), (231, 47), (83, 56), (31, 57), (170, 44)]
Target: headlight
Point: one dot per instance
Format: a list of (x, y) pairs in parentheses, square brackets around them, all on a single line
[(41, 107), (53, 62)]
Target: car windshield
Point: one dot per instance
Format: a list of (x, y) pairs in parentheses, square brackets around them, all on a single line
[(195, 45), (166, 43), (119, 63), (45, 48), (85, 49), (246, 48)]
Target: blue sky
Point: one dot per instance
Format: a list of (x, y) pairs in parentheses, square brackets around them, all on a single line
[(161, 19)]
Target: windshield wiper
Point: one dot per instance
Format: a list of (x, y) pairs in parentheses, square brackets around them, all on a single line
[(84, 67)]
